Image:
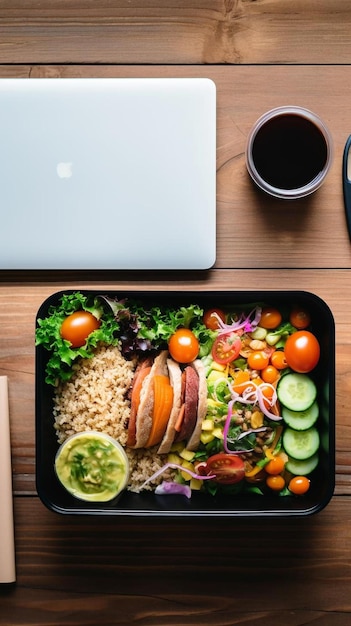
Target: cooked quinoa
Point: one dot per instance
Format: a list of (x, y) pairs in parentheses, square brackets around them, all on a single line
[(96, 398)]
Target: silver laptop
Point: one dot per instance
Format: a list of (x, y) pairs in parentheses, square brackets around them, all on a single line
[(107, 173)]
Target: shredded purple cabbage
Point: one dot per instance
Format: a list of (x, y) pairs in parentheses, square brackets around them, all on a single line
[(246, 324), (166, 488)]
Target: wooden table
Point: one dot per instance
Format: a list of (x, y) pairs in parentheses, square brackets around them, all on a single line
[(202, 571)]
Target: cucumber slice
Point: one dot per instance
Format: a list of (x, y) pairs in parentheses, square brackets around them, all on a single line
[(301, 420), (296, 391), (301, 444), (304, 467)]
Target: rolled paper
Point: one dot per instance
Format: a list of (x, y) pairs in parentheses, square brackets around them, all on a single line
[(7, 538)]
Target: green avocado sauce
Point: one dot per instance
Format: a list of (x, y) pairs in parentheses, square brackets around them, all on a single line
[(91, 467)]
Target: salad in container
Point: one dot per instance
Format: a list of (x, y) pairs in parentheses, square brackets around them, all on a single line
[(215, 403)]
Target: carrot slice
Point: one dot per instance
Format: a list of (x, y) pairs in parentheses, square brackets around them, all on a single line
[(163, 400), (180, 418)]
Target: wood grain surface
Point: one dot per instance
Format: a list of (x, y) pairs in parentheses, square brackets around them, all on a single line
[(185, 32), (113, 571)]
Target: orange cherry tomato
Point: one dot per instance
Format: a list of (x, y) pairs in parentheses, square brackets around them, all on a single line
[(183, 346), (300, 318), (299, 485), (241, 379), (211, 316), (302, 351), (270, 374), (77, 327), (276, 483), (278, 359), (257, 360), (275, 466), (270, 318), (268, 393)]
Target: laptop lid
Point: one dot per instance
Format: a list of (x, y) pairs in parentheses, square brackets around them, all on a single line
[(108, 173)]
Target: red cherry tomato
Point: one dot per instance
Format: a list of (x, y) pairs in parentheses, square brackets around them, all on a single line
[(226, 348), (299, 485), (77, 327), (270, 318), (183, 346), (228, 469), (211, 318), (302, 351), (300, 318)]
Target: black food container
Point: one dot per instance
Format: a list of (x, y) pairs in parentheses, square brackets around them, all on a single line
[(57, 499)]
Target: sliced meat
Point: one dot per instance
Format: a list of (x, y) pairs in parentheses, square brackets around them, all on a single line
[(142, 369), (191, 393), (194, 439), (146, 405), (175, 377)]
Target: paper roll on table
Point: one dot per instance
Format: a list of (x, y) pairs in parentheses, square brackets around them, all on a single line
[(7, 541)]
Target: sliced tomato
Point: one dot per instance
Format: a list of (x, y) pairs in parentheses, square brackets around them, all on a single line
[(227, 469), (226, 348)]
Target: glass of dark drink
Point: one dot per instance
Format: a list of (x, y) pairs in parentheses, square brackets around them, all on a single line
[(289, 152)]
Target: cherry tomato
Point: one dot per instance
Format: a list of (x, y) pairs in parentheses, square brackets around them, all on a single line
[(268, 393), (226, 348), (270, 374), (275, 466), (299, 485), (278, 359), (211, 318), (302, 351), (77, 327), (276, 483), (257, 360), (270, 318), (228, 469), (300, 318), (183, 346), (241, 380)]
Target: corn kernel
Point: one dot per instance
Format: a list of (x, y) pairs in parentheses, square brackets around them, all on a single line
[(174, 458), (188, 455), (217, 366), (206, 437), (256, 419), (177, 447), (218, 433), (196, 484), (185, 475)]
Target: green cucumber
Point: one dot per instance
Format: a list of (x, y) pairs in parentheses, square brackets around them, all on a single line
[(296, 392), (302, 467), (301, 444), (301, 420)]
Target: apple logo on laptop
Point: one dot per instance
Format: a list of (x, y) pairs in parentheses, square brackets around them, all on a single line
[(64, 169)]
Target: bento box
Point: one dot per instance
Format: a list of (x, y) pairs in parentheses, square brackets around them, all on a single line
[(221, 406)]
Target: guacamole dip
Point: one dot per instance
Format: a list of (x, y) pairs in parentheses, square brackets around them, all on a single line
[(92, 466)]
